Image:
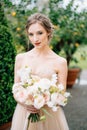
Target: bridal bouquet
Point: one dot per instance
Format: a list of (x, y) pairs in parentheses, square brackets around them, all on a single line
[(36, 91)]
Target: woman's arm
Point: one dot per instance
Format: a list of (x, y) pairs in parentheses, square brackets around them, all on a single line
[(62, 72), (18, 65), (16, 68)]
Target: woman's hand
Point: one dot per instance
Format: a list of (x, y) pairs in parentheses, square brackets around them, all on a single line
[(31, 108)]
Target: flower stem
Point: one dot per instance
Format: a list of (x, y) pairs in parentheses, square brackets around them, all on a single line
[(28, 124)]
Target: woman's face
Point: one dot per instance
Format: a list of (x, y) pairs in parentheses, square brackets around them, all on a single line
[(38, 35)]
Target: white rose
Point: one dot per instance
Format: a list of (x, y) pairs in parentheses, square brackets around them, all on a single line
[(66, 94), (61, 87), (50, 104), (61, 100), (24, 73), (54, 79), (16, 87), (54, 97)]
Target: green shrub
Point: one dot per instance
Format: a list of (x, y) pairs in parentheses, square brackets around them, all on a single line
[(3, 20), (7, 58)]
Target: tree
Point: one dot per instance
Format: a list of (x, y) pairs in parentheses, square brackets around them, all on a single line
[(69, 29)]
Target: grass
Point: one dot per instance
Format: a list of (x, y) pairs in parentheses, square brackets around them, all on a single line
[(81, 56)]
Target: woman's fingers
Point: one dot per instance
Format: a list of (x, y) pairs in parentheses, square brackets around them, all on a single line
[(32, 109)]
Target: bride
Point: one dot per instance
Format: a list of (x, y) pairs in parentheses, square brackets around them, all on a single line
[(43, 62)]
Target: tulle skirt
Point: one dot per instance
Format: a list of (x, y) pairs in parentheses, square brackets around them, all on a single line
[(56, 121)]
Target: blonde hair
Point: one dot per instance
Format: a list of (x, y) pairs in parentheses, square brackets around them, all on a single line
[(42, 20)]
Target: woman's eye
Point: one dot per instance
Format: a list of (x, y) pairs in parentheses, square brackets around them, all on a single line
[(30, 34), (40, 33)]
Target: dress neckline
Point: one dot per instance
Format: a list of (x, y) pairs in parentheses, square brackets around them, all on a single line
[(41, 74)]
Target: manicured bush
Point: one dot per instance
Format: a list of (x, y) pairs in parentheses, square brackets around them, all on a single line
[(7, 58)]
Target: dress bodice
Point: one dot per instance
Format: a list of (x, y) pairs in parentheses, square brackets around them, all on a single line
[(44, 72)]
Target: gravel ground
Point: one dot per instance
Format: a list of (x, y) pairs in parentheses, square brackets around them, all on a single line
[(76, 109)]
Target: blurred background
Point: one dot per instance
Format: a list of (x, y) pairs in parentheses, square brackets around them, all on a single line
[(69, 18)]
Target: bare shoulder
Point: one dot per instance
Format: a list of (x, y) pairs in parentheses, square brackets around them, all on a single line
[(60, 63), (59, 60), (20, 56), (18, 60)]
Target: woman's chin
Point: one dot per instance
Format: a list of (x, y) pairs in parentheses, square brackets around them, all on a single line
[(38, 46)]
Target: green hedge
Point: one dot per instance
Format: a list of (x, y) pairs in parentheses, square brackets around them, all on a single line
[(7, 58)]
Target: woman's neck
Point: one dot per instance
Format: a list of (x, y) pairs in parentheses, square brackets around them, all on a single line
[(42, 51)]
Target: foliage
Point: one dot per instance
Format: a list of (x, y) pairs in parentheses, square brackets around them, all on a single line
[(7, 58), (70, 30), (81, 55), (18, 28), (4, 21), (17, 17)]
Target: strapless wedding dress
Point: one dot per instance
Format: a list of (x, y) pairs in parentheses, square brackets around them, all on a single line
[(55, 122)]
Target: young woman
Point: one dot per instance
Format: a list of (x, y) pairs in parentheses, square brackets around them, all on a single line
[(43, 62)]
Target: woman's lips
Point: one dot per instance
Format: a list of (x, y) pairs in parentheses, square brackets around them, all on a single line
[(37, 43)]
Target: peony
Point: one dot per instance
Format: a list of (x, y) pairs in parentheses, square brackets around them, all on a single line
[(32, 89), (39, 101), (16, 87), (21, 95), (61, 100), (46, 95), (54, 98), (44, 84), (29, 100)]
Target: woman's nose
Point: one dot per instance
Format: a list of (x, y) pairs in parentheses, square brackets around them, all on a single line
[(35, 38)]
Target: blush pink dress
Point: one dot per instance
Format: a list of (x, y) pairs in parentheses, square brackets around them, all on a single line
[(56, 122)]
